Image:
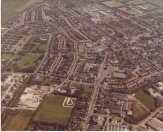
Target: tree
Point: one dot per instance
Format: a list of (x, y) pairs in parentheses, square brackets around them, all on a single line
[(130, 127), (68, 91)]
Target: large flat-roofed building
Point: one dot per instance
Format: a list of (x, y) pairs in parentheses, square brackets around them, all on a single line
[(160, 116), (115, 127), (119, 75), (120, 96), (156, 125)]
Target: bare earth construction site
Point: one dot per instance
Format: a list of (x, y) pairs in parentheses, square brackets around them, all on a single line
[(93, 65)]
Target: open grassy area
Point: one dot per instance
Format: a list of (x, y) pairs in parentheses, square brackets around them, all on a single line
[(11, 8), (27, 4), (132, 11), (138, 110), (15, 123), (145, 99), (81, 4), (87, 87), (158, 3), (6, 57), (52, 111), (26, 61), (113, 3), (35, 45), (149, 6), (137, 2), (3, 89)]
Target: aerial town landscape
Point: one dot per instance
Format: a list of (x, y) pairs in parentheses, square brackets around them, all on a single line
[(82, 65)]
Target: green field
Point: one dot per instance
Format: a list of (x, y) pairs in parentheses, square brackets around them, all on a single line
[(138, 110), (11, 8), (136, 2), (35, 46), (87, 87), (145, 99), (149, 6), (23, 63), (3, 89), (26, 61), (113, 3), (81, 4), (15, 123), (132, 11), (52, 111), (158, 3), (6, 57), (30, 2)]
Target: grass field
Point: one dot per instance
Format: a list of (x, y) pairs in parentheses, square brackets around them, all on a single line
[(26, 61), (11, 8), (29, 3), (145, 99), (87, 87), (15, 123), (81, 4), (138, 110), (113, 3), (6, 57), (35, 47), (132, 11), (137, 2), (149, 6), (52, 111), (158, 3)]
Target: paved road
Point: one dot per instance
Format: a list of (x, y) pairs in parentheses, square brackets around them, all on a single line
[(46, 53), (95, 94)]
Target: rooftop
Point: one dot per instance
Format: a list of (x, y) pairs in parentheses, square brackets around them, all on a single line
[(119, 75)]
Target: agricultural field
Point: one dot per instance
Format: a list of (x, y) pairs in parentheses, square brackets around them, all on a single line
[(138, 110), (136, 2), (15, 123), (55, 110), (113, 3), (11, 8), (145, 99), (158, 3)]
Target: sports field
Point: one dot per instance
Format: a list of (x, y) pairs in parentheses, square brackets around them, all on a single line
[(113, 3), (15, 123), (158, 3), (55, 110), (145, 99)]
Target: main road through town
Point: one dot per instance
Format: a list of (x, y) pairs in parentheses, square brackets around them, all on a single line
[(95, 94)]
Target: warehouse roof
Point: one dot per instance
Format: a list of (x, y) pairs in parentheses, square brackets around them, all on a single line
[(119, 75), (155, 125)]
